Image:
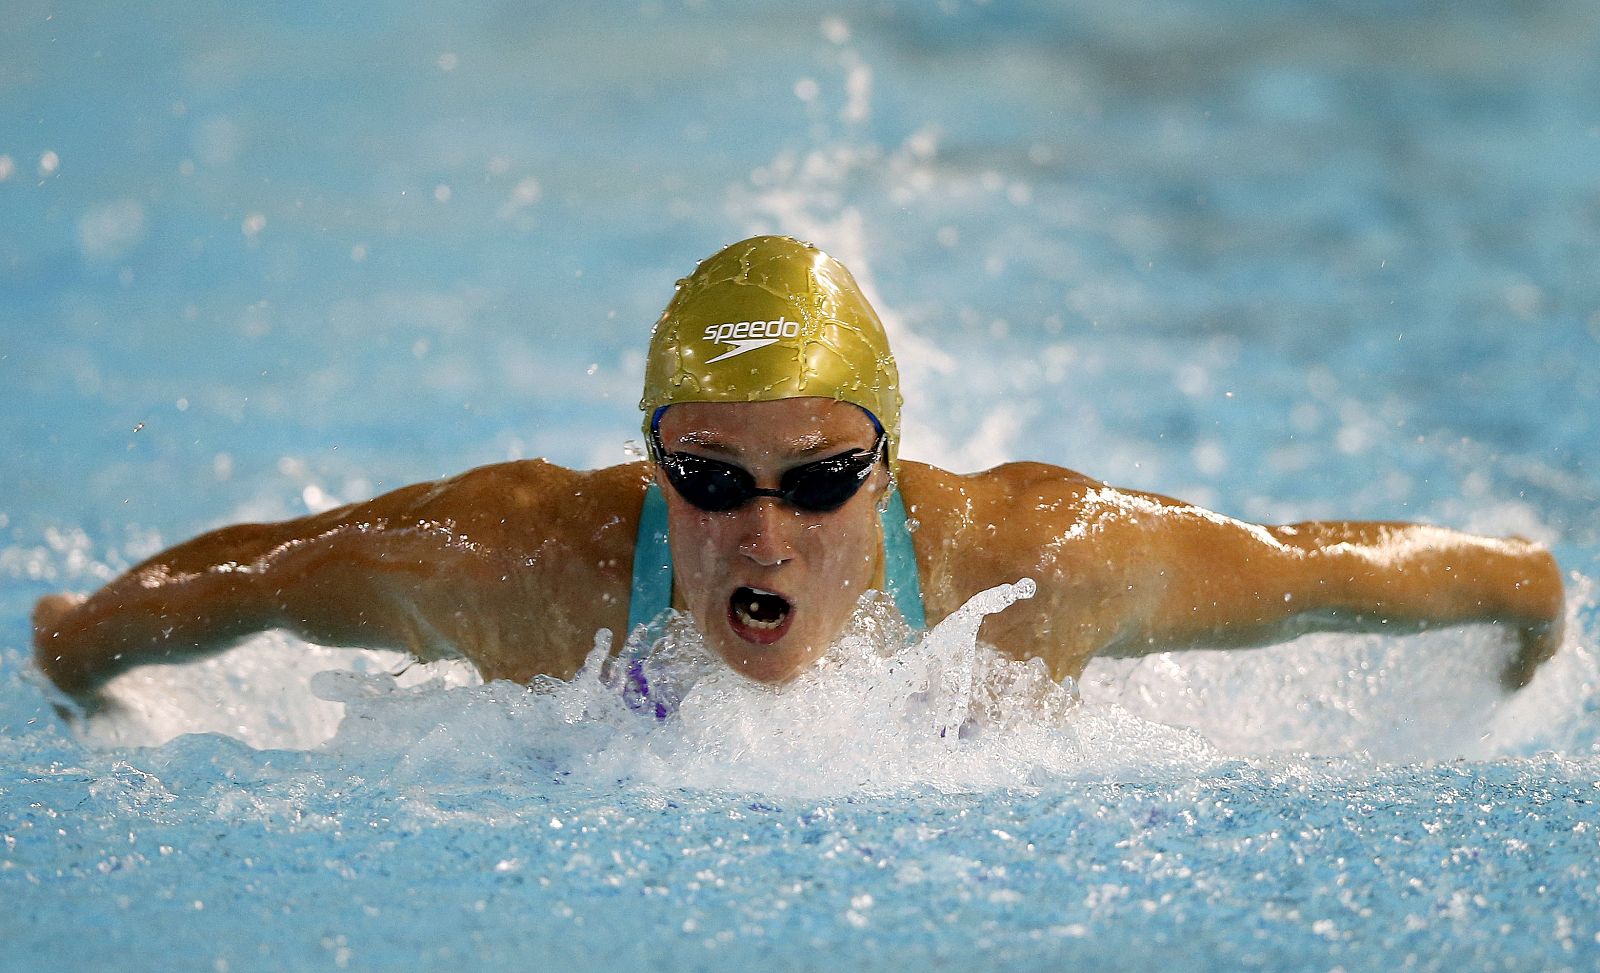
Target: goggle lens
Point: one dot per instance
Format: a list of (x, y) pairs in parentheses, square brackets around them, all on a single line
[(818, 487)]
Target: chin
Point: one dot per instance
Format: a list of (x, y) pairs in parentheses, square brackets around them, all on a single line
[(772, 664)]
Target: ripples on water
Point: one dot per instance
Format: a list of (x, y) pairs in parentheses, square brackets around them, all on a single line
[(907, 797), (1288, 260)]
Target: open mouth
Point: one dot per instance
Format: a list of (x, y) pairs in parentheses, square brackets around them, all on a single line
[(759, 616)]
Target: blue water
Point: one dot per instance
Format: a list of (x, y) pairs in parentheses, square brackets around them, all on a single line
[(1288, 260)]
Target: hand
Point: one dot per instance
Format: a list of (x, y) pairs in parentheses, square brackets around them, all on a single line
[(49, 613), (1535, 644), (49, 610)]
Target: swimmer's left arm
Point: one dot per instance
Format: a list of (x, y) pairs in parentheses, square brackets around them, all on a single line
[(1215, 581)]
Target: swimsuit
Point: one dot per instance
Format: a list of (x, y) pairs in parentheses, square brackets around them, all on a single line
[(651, 595)]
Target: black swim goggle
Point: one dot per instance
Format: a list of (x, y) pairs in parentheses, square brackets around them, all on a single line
[(816, 487)]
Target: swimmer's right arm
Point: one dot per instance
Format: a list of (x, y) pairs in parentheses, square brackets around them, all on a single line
[(513, 566), (209, 592)]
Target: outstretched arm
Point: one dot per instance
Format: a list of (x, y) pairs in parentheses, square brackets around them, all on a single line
[(1221, 582), (1125, 573), (514, 566), (202, 595)]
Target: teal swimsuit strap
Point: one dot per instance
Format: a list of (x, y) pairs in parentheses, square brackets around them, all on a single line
[(900, 563), (652, 564), (651, 595)]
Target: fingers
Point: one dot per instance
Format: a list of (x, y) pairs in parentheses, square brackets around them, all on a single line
[(49, 646), (49, 611), (1536, 644)]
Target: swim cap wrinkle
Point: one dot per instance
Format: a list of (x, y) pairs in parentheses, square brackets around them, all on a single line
[(772, 318)]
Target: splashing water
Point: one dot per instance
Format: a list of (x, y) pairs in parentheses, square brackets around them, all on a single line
[(884, 711)]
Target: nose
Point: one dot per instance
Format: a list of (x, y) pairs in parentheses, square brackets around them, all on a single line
[(766, 532)]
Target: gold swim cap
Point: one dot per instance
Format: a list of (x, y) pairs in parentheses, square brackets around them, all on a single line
[(772, 318)]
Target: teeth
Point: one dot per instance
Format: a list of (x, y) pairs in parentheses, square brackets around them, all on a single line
[(746, 619), (747, 608)]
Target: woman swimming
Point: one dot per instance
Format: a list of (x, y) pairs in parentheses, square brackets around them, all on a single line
[(773, 498)]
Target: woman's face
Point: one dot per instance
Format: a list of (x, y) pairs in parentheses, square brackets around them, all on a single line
[(769, 585)]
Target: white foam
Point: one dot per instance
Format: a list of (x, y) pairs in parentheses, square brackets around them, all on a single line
[(260, 692), (881, 712), (1435, 696)]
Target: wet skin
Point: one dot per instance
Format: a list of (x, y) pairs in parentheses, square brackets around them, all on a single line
[(516, 566), (819, 563)]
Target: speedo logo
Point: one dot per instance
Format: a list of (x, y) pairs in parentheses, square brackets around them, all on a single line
[(749, 335)]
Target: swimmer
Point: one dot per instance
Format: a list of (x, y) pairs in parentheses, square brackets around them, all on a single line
[(773, 497)]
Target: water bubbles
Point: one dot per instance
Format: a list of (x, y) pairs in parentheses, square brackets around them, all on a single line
[(109, 231), (858, 92), (49, 163), (316, 499), (526, 193)]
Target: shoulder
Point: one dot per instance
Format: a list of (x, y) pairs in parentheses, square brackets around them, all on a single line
[(532, 486), (977, 529), (1007, 485), (1031, 486), (1031, 510), (525, 501)]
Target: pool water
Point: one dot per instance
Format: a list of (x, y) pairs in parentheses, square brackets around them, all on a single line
[(1289, 260)]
